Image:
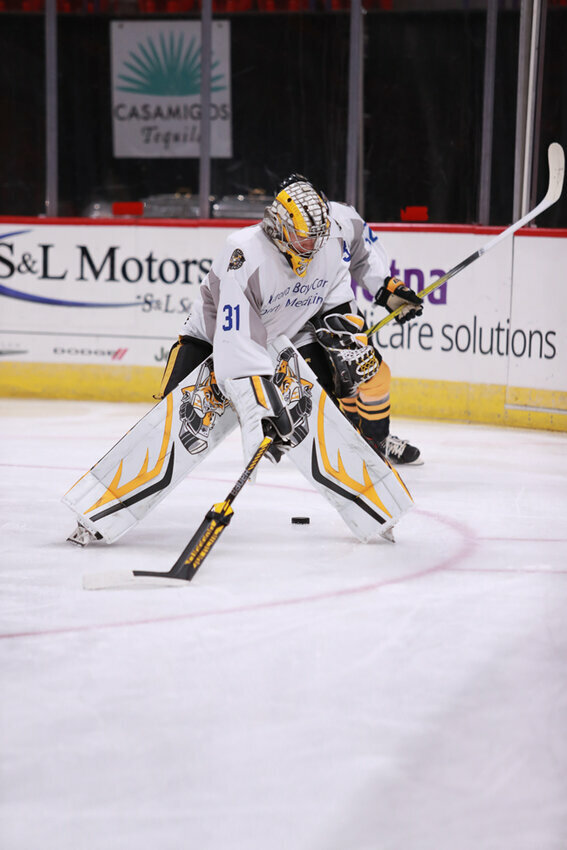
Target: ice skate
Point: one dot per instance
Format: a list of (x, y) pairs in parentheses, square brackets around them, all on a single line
[(82, 536), (396, 451), (400, 451)]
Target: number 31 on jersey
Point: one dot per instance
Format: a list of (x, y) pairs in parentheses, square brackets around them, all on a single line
[(231, 317)]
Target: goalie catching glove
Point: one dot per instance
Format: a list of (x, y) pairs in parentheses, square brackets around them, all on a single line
[(396, 294), (353, 361), (262, 411)]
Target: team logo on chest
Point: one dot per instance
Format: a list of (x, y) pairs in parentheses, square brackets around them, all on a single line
[(237, 260)]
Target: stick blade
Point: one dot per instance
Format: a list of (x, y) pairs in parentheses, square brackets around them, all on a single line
[(202, 542), (126, 580), (184, 568), (556, 161)]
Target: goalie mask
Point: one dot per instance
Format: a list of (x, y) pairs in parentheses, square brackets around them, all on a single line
[(297, 222)]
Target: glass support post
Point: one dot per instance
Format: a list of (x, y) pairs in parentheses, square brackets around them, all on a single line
[(51, 134), (205, 144), (354, 112), (488, 113)]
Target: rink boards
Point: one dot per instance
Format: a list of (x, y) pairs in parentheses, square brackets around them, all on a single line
[(91, 307)]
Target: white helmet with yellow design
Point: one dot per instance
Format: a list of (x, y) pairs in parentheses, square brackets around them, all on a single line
[(297, 221)]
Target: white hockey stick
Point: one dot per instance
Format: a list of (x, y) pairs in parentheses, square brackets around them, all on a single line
[(556, 160)]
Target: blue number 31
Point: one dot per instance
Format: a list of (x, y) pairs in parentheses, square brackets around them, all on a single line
[(231, 317)]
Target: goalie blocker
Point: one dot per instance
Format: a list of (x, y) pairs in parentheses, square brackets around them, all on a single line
[(179, 431)]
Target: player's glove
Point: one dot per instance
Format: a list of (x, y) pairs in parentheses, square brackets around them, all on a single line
[(396, 294), (262, 411), (353, 361)]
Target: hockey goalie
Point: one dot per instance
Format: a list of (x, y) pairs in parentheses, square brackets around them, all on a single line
[(275, 345)]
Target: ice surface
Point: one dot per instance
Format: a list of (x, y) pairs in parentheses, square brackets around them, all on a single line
[(305, 691)]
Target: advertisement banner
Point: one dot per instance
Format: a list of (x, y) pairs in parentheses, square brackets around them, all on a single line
[(483, 326), (98, 294), (90, 295), (156, 89), (537, 339), (457, 335)]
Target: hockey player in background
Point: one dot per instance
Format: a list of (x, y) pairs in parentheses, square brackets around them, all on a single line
[(292, 274)]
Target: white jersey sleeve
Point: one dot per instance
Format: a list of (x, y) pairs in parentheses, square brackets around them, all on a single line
[(367, 257)]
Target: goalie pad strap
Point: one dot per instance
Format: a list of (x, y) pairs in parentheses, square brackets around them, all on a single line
[(184, 356)]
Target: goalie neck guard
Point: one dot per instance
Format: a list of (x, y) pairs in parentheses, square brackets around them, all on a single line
[(297, 222)]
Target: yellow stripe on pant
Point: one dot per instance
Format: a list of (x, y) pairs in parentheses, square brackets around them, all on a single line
[(373, 401)]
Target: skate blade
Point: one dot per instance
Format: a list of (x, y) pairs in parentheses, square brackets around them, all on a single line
[(388, 535), (82, 536)]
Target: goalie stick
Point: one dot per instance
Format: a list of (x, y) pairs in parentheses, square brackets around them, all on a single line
[(556, 161), (214, 523)]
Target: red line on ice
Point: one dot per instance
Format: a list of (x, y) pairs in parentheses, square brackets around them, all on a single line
[(468, 545)]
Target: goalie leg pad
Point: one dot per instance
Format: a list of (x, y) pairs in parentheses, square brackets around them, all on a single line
[(153, 457), (368, 493)]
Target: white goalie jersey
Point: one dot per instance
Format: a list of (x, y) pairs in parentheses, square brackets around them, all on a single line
[(362, 250), (251, 295)]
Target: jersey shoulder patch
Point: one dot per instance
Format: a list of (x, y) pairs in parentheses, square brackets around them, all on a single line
[(237, 259)]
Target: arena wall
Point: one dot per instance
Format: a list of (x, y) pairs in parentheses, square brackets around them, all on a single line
[(91, 307)]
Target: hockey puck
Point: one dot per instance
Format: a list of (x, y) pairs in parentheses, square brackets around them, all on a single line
[(300, 520)]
